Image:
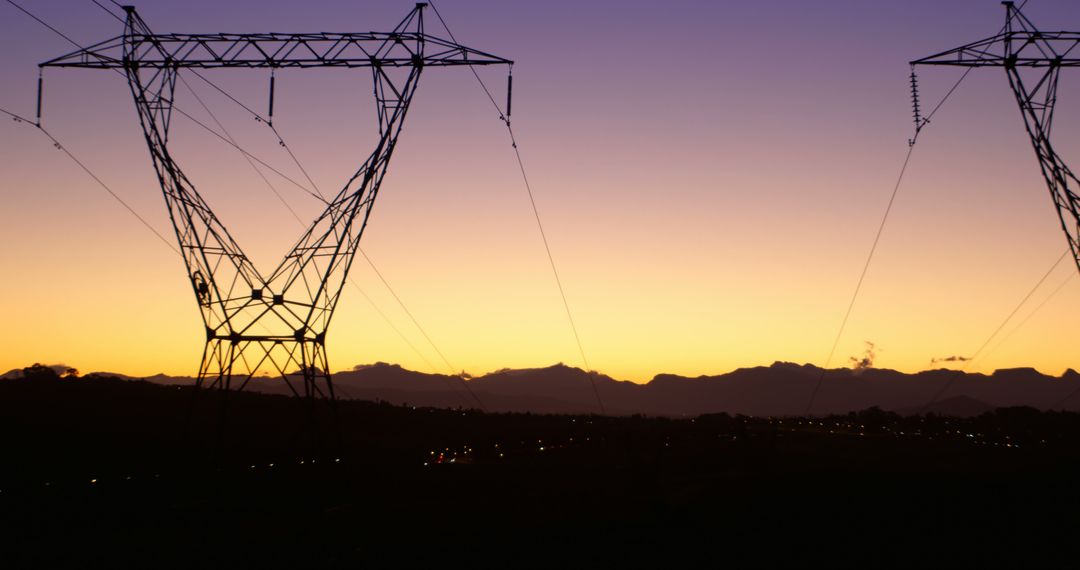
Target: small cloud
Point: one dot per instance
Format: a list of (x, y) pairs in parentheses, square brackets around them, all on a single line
[(949, 359), (378, 364), (860, 363)]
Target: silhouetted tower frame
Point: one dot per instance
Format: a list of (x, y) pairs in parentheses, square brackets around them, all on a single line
[(254, 321), (1033, 61)]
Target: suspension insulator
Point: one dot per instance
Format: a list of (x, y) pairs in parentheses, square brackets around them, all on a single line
[(40, 81), (915, 100), (509, 92), (271, 116)]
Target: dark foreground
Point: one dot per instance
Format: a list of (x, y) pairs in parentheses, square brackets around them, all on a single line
[(103, 472)]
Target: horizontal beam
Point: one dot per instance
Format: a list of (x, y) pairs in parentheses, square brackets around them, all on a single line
[(1016, 49), (205, 51)]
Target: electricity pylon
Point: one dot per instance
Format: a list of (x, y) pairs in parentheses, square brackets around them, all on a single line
[(1033, 61), (277, 321)]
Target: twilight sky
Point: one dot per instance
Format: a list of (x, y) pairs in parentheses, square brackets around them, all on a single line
[(710, 174)]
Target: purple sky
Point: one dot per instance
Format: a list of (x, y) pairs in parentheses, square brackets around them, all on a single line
[(711, 175)]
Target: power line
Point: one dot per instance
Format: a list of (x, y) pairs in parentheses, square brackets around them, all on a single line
[(16, 118), (82, 165), (1019, 305), (1052, 294), (269, 123), (554, 270), (536, 213), (247, 158), (296, 161), (396, 330), (43, 23), (108, 11), (246, 153), (257, 116), (483, 86), (919, 124), (418, 327), (963, 369), (862, 277)]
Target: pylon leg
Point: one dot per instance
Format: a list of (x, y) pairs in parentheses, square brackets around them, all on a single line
[(228, 365)]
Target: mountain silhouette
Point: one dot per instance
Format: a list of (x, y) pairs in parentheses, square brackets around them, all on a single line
[(782, 389)]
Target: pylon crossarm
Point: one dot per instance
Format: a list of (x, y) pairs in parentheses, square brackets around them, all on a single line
[(1020, 49), (402, 47), (209, 51), (1018, 44)]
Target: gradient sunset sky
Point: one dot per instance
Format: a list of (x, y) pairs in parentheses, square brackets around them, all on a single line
[(711, 175)]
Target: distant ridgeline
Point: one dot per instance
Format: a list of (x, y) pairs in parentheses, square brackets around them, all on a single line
[(782, 389)]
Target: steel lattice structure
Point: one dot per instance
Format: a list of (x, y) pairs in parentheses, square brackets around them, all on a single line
[(277, 321), (1033, 61)]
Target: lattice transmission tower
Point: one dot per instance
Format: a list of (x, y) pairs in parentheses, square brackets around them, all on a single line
[(277, 321), (1033, 61)]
